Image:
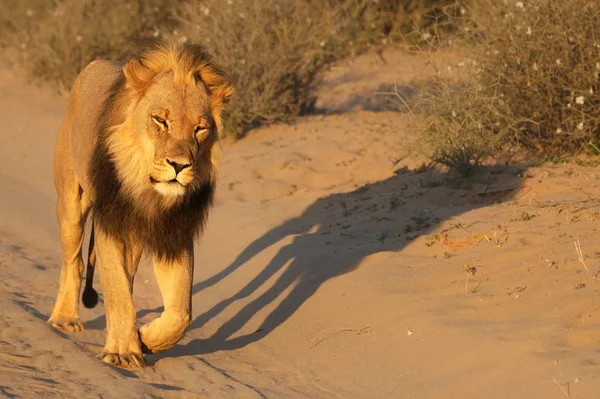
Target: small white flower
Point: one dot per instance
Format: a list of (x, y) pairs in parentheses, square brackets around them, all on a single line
[(569, 105), (579, 100), (580, 126), (529, 31), (426, 36), (558, 131), (519, 4)]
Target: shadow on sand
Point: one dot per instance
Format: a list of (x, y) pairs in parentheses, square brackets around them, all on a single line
[(333, 235)]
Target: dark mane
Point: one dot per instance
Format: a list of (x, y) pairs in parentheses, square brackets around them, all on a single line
[(164, 232)]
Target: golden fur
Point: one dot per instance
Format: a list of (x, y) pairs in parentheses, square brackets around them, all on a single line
[(137, 148)]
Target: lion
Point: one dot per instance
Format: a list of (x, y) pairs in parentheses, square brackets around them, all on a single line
[(136, 151)]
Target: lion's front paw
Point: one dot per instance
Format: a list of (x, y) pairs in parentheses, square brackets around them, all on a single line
[(129, 360), (72, 324)]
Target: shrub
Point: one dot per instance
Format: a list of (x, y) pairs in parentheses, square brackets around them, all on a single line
[(543, 59), (53, 42), (459, 125), (275, 51), (534, 85)]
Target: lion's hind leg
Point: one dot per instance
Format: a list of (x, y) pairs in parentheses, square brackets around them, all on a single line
[(72, 209)]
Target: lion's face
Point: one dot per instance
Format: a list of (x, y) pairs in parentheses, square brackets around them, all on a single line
[(167, 146), (175, 125), (172, 102)]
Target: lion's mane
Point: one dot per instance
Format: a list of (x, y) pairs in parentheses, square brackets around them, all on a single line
[(162, 230)]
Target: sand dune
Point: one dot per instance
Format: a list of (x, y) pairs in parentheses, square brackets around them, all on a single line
[(327, 268)]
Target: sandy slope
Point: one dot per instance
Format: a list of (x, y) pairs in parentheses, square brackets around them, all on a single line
[(322, 272)]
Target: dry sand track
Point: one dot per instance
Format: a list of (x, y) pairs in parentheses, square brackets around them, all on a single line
[(323, 273)]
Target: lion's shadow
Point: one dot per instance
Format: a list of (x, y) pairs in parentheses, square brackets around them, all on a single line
[(332, 236)]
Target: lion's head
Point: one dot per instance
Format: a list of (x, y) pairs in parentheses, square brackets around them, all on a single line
[(154, 164), (174, 96)]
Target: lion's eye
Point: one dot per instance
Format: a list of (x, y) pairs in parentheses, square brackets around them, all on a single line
[(158, 121), (200, 130)]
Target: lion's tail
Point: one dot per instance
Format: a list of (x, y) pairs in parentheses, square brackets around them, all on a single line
[(90, 296)]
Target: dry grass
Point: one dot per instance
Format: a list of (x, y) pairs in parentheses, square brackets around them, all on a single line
[(462, 124), (543, 60), (276, 50), (52, 41), (533, 85), (266, 46)]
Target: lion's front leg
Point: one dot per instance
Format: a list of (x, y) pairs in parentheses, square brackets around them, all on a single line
[(117, 263), (175, 279)]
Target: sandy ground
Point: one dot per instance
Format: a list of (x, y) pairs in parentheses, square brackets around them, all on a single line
[(328, 268)]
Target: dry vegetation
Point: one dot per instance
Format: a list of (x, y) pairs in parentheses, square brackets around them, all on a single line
[(267, 48), (542, 59), (532, 81), (51, 41), (276, 50), (532, 84)]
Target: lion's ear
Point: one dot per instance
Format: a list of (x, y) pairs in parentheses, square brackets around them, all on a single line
[(137, 74), (219, 85), (221, 91)]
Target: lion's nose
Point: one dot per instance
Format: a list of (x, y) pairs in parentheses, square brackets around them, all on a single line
[(178, 166)]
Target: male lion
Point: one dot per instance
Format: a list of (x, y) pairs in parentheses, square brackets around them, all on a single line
[(136, 148)]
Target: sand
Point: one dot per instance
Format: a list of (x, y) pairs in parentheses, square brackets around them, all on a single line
[(330, 267)]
